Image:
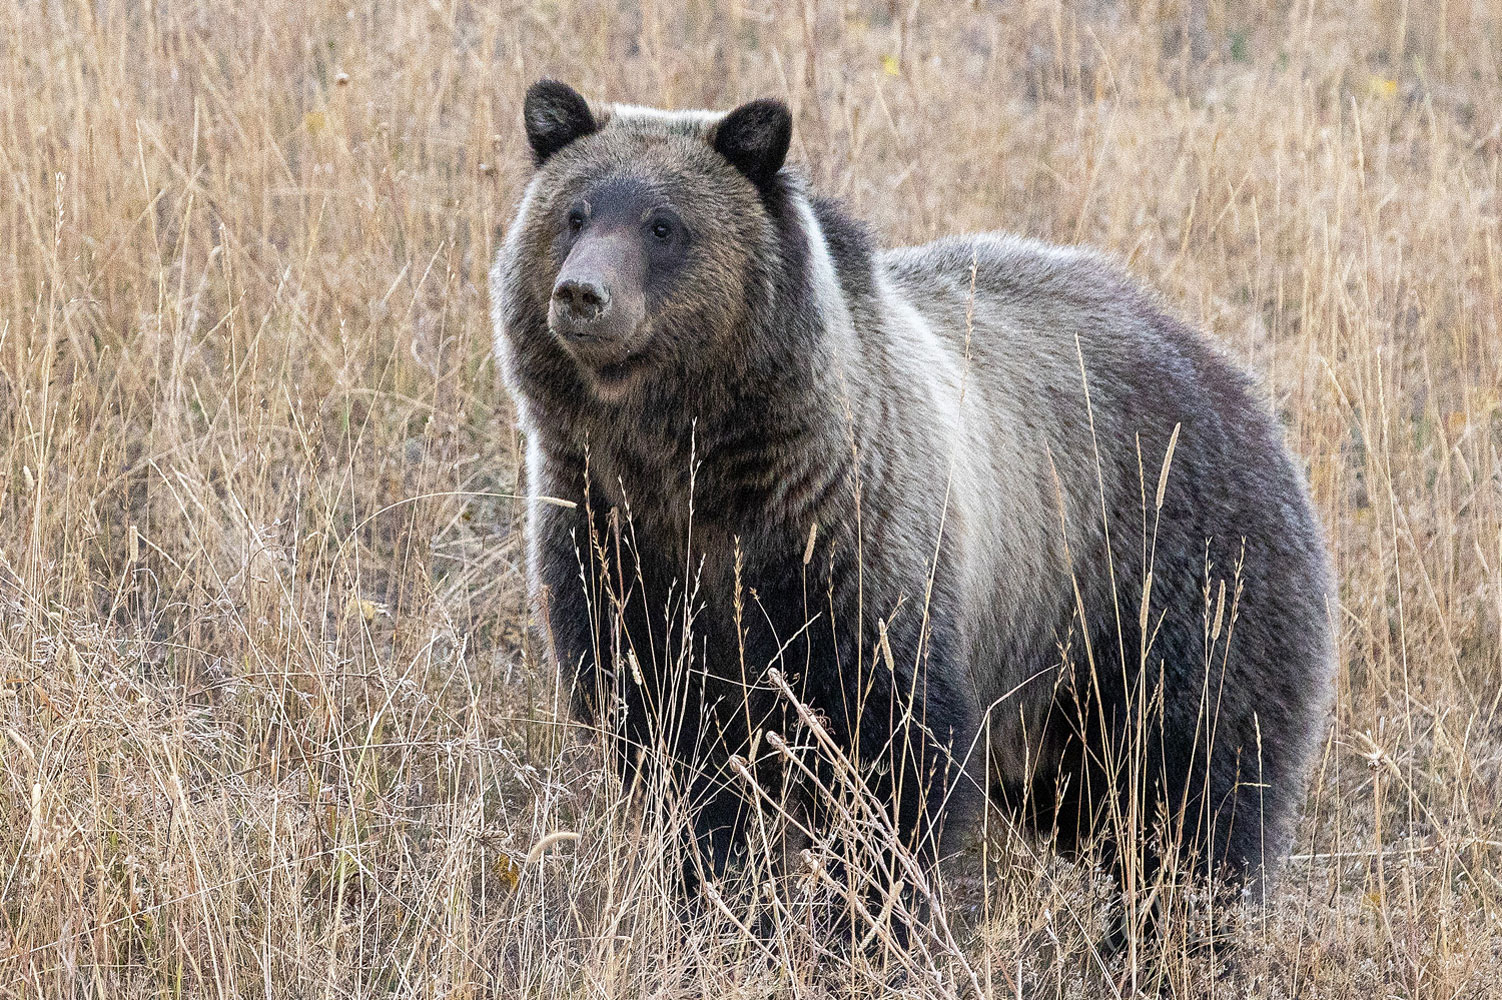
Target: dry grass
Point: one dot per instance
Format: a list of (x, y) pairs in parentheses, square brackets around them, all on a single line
[(269, 720)]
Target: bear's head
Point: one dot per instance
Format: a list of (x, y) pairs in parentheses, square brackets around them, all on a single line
[(645, 241)]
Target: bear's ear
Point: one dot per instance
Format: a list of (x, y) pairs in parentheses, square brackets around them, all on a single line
[(555, 115), (754, 138)]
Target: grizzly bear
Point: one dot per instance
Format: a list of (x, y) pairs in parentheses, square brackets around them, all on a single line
[(982, 512)]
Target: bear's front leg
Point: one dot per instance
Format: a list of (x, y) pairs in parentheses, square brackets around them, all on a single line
[(586, 588), (893, 731)]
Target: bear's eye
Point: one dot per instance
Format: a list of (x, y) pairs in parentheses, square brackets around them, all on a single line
[(575, 221), (662, 230)]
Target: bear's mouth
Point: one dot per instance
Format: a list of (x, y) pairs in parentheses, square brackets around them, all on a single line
[(607, 363)]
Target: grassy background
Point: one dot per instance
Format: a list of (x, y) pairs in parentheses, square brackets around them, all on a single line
[(270, 724)]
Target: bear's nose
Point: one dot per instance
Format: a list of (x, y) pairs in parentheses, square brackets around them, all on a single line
[(584, 300)]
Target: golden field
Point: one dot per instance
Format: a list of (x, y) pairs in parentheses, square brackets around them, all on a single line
[(271, 722)]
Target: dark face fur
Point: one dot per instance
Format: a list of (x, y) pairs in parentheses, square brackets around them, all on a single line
[(653, 235)]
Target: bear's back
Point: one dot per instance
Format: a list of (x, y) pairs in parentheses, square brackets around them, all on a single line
[(1033, 325)]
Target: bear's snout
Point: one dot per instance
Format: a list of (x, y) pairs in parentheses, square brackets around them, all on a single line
[(597, 303), (582, 299)]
